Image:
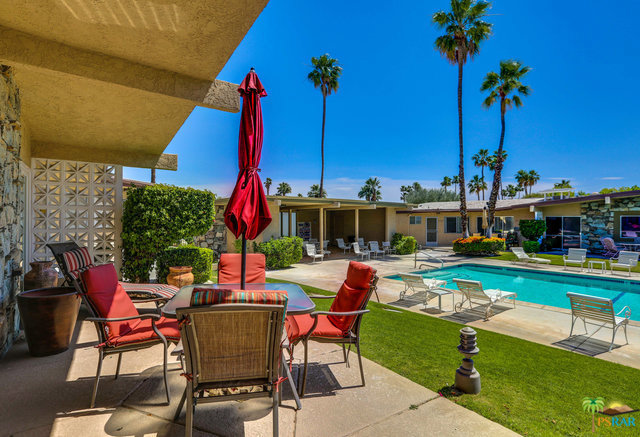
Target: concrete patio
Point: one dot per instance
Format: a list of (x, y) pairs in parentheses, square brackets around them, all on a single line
[(49, 396)]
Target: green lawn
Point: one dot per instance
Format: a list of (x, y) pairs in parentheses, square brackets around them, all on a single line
[(556, 260), (530, 388)]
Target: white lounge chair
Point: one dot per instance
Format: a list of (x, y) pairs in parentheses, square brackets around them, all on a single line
[(375, 249), (361, 252), (386, 246), (523, 257), (416, 283), (311, 251), (346, 247), (473, 292), (600, 311), (575, 257), (625, 261)]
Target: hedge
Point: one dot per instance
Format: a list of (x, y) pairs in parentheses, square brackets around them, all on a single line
[(531, 246), (406, 245), (155, 217), (281, 252), (200, 258), (478, 246), (532, 230)]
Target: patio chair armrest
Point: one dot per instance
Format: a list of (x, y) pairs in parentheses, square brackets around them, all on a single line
[(626, 310), (153, 299), (321, 296), (315, 314), (122, 319)]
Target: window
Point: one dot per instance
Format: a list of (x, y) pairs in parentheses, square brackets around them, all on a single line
[(479, 225), (503, 224), (452, 225), (415, 220), (630, 226)]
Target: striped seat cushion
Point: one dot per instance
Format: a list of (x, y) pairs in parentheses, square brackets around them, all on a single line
[(212, 296), (77, 261), (149, 291)]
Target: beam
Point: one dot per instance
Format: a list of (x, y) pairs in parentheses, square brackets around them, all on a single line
[(321, 228), (127, 158), (26, 50)]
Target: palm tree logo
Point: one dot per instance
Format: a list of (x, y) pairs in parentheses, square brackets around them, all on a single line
[(593, 405)]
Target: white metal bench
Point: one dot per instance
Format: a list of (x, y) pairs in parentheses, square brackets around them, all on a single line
[(599, 311), (416, 283), (473, 292)]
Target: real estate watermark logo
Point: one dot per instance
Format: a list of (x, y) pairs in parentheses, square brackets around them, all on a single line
[(612, 414)]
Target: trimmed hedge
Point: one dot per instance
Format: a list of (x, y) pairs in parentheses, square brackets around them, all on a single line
[(532, 230), (406, 245), (281, 252), (395, 239), (479, 246), (200, 258), (531, 246)]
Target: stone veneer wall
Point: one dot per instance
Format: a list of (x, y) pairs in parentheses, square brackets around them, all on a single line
[(12, 208), (598, 219), (216, 238)]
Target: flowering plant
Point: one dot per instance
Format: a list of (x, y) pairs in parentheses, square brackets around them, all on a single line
[(479, 245)]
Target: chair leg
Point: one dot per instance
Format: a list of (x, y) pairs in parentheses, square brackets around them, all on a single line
[(118, 365), (573, 322), (625, 333), (304, 371), (164, 368), (95, 384), (360, 361), (613, 338), (344, 353), (188, 426), (180, 405), (275, 414)]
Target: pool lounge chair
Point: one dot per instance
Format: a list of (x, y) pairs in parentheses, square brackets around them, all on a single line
[(375, 249), (609, 248), (625, 261), (311, 251), (346, 247), (575, 257), (361, 252), (417, 283), (473, 293), (523, 257), (600, 312)]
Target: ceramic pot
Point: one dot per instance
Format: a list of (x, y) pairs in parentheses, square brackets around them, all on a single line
[(41, 275), (180, 276)]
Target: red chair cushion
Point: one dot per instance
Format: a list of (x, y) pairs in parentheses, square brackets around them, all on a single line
[(109, 299), (352, 294), (230, 264), (144, 332), (299, 326)]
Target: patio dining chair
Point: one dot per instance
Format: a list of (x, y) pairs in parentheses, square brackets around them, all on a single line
[(232, 348), (375, 249), (609, 248), (312, 252), (346, 247), (230, 264), (386, 246), (73, 260), (362, 253), (119, 326), (361, 242), (325, 247), (341, 324)]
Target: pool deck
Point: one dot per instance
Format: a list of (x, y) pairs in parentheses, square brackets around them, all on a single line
[(538, 323)]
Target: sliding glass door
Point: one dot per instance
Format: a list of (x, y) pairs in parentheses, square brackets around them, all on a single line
[(563, 232)]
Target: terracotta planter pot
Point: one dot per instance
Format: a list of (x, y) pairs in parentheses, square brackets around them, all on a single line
[(49, 317), (180, 276), (41, 275)]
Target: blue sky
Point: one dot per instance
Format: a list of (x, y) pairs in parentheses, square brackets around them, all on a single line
[(395, 114)]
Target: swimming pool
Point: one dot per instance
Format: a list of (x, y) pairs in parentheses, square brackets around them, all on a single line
[(543, 287)]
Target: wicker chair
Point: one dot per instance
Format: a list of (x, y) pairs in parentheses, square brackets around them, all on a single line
[(119, 325), (232, 352), (341, 324)]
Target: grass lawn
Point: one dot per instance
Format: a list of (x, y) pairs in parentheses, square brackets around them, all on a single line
[(556, 260), (530, 388)]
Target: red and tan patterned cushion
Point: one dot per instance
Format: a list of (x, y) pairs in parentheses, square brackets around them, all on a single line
[(149, 291), (213, 296), (77, 261)]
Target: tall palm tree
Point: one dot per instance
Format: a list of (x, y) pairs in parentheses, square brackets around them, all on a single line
[(314, 191), (446, 182), (283, 189), (371, 190), (522, 179), (532, 179), (455, 180), (510, 191), (504, 87), (464, 29), (593, 405), (267, 184), (325, 74), (481, 159), (493, 162), (476, 185), (564, 183)]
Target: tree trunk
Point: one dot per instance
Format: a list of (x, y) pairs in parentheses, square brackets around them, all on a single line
[(497, 174), (482, 177), (324, 116), (463, 194), (593, 422)]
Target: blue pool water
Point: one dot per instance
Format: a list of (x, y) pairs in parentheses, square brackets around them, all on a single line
[(543, 287)]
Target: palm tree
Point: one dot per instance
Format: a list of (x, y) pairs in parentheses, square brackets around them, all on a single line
[(493, 161), (481, 159), (371, 190), (522, 178), (283, 189), (446, 182), (267, 184), (510, 191), (314, 191), (506, 88), (593, 405), (564, 183), (532, 179), (476, 185), (407, 189), (325, 74), (455, 180), (464, 30)]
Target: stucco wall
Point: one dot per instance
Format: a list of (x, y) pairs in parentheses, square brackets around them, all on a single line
[(371, 224), (566, 210)]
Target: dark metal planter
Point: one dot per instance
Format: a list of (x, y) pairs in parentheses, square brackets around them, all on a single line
[(49, 317)]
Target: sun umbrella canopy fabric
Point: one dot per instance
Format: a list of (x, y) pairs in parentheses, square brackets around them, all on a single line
[(247, 212)]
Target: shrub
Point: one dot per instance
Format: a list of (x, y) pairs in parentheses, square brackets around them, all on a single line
[(478, 245), (531, 246), (281, 252), (406, 245), (395, 239), (200, 258), (532, 230), (158, 216)]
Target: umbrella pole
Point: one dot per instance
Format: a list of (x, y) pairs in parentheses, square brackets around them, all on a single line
[(243, 269)]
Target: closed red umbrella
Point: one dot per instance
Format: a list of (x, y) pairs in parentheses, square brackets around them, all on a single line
[(247, 212)]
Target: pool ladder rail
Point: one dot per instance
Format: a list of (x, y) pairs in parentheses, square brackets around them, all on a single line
[(429, 256)]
